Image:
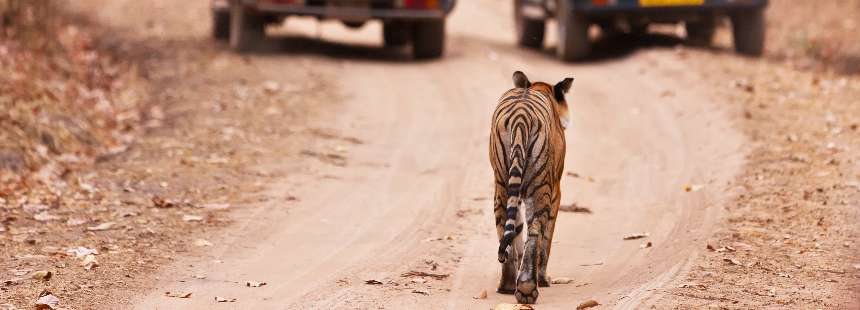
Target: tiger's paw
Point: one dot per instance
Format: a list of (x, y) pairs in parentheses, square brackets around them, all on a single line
[(527, 297)]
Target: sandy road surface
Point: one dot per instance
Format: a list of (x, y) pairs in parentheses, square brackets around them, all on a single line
[(421, 173)]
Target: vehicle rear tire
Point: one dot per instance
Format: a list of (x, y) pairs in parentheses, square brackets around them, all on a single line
[(748, 32), (573, 43), (428, 39), (395, 33), (247, 30), (701, 32), (530, 32), (220, 24)]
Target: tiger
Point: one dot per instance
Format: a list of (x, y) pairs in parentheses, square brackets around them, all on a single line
[(527, 148)]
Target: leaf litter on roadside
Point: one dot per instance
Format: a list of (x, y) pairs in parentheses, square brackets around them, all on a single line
[(693, 187), (222, 299), (481, 295), (80, 251), (636, 236), (47, 301), (89, 262), (188, 218), (101, 227), (43, 275), (733, 261), (372, 282), (421, 291), (587, 304), (413, 273), (504, 306), (160, 202), (202, 242), (254, 284), (573, 207), (178, 294)]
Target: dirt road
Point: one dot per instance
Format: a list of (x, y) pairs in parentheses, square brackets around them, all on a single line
[(405, 185)]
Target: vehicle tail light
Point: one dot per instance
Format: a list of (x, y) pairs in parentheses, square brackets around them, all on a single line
[(602, 2), (420, 4)]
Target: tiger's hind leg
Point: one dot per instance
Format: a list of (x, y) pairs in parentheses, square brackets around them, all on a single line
[(548, 232), (527, 284), (508, 282)]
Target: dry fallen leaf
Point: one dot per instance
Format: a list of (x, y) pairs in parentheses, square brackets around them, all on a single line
[(513, 307), (192, 218), (75, 222), (202, 242), (254, 284), (271, 87), (222, 299), (693, 188), (561, 280), (101, 227), (160, 202), (413, 273), (692, 285), (481, 295), (80, 251), (43, 275), (587, 304), (574, 208), (47, 301), (178, 294), (215, 206), (44, 216), (635, 236), (732, 261), (372, 282), (89, 262)]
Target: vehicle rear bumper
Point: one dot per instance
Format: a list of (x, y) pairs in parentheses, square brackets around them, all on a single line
[(634, 6), (350, 13)]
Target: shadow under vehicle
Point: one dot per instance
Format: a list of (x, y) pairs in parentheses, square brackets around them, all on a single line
[(700, 18), (419, 22)]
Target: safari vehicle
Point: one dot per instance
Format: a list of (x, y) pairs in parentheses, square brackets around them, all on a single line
[(421, 22), (700, 18)]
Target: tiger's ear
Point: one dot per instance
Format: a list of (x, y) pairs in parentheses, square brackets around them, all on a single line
[(564, 86), (520, 80)]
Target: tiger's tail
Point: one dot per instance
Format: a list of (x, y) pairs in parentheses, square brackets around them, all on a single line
[(514, 188)]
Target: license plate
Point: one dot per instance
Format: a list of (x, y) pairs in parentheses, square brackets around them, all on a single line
[(670, 2)]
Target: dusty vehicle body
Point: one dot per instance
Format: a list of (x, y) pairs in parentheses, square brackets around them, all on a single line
[(419, 22), (700, 18)]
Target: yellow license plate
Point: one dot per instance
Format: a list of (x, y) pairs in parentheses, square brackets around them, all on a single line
[(670, 2)]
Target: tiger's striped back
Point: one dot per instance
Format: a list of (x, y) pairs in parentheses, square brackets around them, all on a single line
[(526, 149)]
